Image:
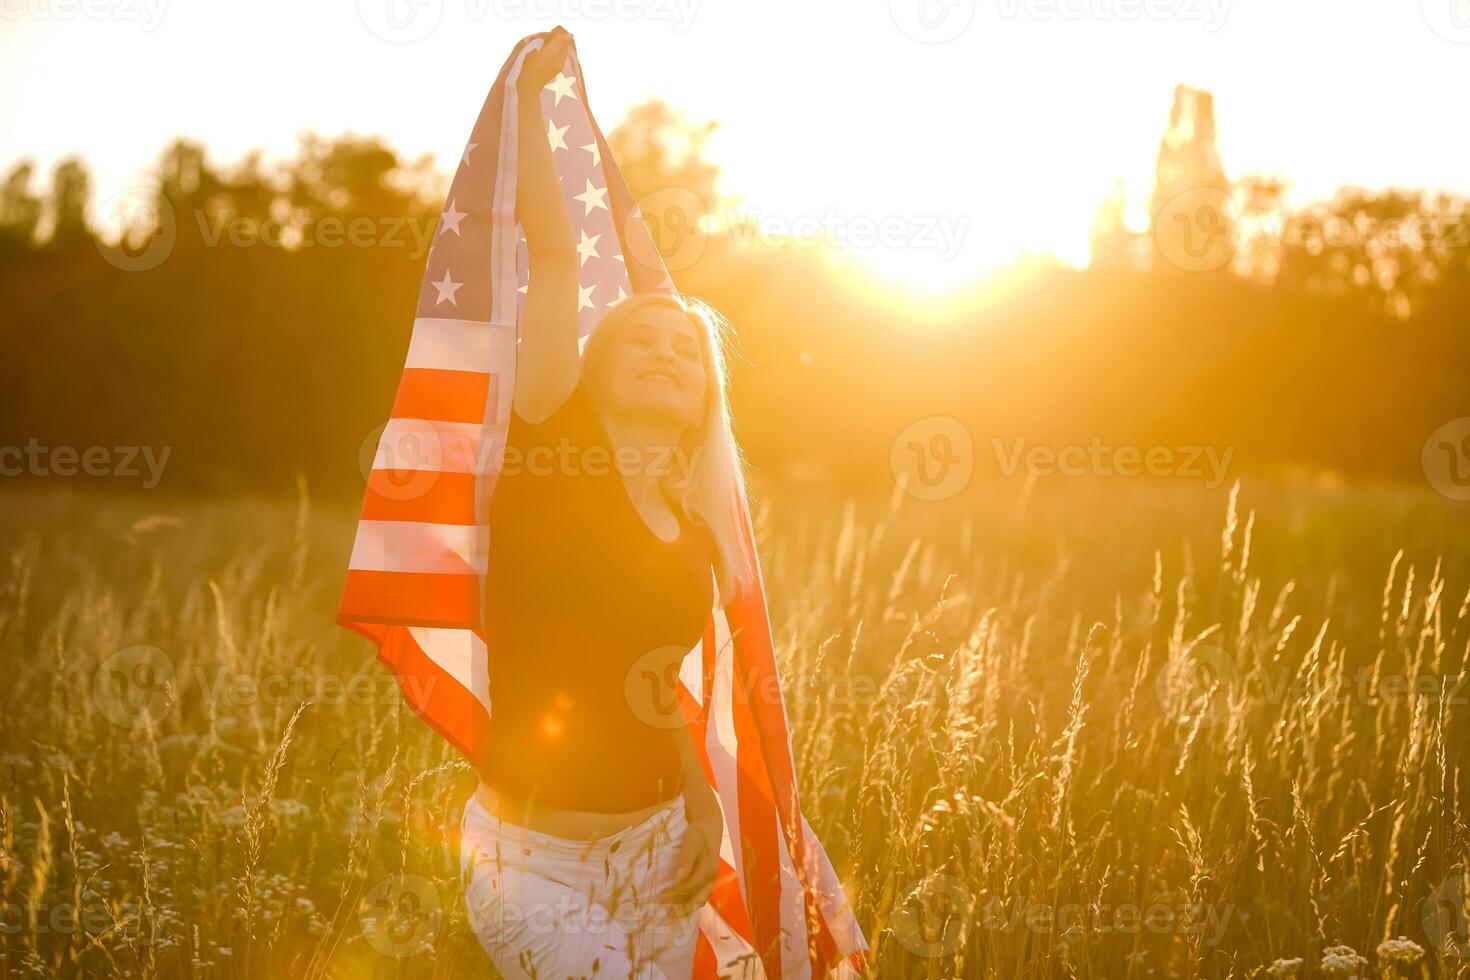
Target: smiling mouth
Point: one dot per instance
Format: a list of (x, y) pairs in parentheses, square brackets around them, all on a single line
[(662, 375)]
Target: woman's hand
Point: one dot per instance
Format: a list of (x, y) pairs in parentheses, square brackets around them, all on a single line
[(699, 857), (544, 64)]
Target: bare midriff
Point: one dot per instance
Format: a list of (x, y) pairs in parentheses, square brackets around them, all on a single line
[(578, 825)]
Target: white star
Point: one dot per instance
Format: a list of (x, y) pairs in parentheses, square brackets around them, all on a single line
[(587, 248), (621, 258), (450, 219), (584, 298), (562, 86), (596, 152), (465, 159), (521, 290), (621, 296), (447, 288), (555, 135), (592, 197)]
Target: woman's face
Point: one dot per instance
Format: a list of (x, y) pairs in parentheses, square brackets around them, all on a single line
[(654, 368)]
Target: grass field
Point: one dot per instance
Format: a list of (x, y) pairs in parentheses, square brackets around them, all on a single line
[(1099, 729)]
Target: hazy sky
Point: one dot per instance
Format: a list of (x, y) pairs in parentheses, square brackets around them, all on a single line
[(972, 130)]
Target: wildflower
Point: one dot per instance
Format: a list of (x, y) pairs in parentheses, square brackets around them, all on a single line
[(1342, 960), (1285, 968), (1401, 951)]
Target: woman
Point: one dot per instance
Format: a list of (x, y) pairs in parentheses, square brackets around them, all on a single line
[(593, 839)]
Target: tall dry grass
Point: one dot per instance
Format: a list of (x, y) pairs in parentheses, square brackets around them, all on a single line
[(1094, 731)]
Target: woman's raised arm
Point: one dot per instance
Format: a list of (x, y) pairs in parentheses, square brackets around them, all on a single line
[(547, 362)]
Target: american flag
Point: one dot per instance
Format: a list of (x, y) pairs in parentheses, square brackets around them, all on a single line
[(415, 578)]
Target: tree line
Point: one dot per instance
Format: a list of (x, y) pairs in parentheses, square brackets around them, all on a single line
[(266, 342)]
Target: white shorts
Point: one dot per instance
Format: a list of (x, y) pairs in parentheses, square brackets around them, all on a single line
[(546, 906)]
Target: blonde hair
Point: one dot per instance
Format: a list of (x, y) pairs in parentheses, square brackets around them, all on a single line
[(714, 493)]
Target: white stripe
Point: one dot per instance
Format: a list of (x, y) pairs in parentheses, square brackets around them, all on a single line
[(459, 345), (460, 654), (691, 668), (503, 232), (795, 955), (831, 898), (414, 546), (736, 958), (428, 445), (720, 744)]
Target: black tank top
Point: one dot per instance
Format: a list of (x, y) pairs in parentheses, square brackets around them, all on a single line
[(579, 593)]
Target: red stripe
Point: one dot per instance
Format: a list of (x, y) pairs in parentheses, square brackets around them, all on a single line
[(411, 598), (760, 851), (426, 496), (444, 396), (755, 661), (706, 966), (435, 696)]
